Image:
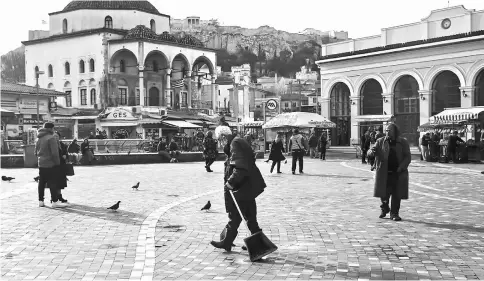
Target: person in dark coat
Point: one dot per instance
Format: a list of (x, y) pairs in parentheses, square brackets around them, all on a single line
[(452, 147), (74, 152), (61, 170), (276, 154), (86, 151), (313, 144), (322, 143), (392, 157), (242, 176), (210, 150), (364, 145)]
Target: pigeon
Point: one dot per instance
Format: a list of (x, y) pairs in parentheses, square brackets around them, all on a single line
[(207, 206), (135, 186), (4, 178), (37, 178), (115, 206), (129, 152)]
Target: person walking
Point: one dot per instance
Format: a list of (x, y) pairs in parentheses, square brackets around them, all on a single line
[(392, 157), (276, 154), (452, 147), (297, 148), (313, 145), (322, 143), (425, 146), (47, 152), (210, 150), (242, 176)]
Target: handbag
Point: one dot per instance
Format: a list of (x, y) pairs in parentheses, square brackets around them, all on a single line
[(69, 169)]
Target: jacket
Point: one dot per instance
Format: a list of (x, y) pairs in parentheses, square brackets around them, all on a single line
[(296, 142), (313, 141), (380, 151), (47, 149), (173, 146), (73, 148), (242, 173), (277, 149), (322, 143)]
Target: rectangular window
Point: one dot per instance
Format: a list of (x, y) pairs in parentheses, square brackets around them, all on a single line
[(68, 99), (83, 97), (314, 100), (123, 96), (138, 100), (294, 104), (286, 104), (184, 101)]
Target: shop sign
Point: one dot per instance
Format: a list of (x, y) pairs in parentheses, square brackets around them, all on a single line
[(31, 121), (271, 109), (25, 103), (120, 114)]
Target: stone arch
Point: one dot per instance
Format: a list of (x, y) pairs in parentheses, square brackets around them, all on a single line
[(473, 72), (127, 56), (203, 60), (184, 58), (332, 82), (361, 81), (67, 85), (92, 82), (436, 70), (392, 81), (155, 54), (50, 86)]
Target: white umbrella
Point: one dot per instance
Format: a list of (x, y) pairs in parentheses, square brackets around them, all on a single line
[(299, 120)]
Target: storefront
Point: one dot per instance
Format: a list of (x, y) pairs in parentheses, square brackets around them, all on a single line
[(371, 122), (120, 123), (183, 132)]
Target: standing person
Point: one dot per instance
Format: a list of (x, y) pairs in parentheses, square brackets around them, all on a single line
[(74, 152), (242, 176), (61, 171), (47, 152), (276, 154), (392, 156), (313, 145), (173, 151), (452, 147), (86, 151), (425, 146), (364, 139), (297, 148), (210, 150), (322, 143)]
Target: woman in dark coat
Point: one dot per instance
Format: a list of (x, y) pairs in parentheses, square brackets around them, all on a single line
[(392, 157), (61, 171), (245, 180), (210, 150), (276, 155), (86, 151), (322, 143)]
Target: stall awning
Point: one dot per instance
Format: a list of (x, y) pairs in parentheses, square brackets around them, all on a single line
[(252, 124), (180, 124), (7, 113), (150, 121), (373, 118), (119, 124), (458, 114)]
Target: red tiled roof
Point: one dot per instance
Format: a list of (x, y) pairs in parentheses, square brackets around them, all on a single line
[(24, 89), (140, 5)]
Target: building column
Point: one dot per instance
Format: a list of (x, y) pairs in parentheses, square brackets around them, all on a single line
[(388, 104), (425, 105), (141, 86), (75, 133), (168, 88), (355, 111), (325, 107), (467, 98), (189, 95), (214, 95)]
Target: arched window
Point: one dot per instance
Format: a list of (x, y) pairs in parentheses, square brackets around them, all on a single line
[(93, 96), (64, 26), (122, 67), (67, 68), (108, 22), (153, 25), (81, 67), (36, 69), (91, 65), (155, 66), (50, 71)]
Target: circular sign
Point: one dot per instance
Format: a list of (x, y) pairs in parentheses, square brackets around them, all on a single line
[(271, 104)]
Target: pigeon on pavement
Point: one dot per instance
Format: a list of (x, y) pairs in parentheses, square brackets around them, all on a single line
[(115, 206), (37, 178), (4, 178), (207, 206), (135, 186)]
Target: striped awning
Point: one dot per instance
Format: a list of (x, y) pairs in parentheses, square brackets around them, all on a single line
[(252, 124), (455, 115)]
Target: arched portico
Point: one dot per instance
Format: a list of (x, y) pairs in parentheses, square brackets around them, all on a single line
[(180, 72), (155, 76), (364, 78), (340, 114)]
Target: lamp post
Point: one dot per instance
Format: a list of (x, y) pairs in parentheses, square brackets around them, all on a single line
[(37, 73)]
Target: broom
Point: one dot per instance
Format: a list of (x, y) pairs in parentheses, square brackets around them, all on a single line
[(258, 245)]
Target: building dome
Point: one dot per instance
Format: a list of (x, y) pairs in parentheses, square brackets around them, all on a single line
[(139, 5)]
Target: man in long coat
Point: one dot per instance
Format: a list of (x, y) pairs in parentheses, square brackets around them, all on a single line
[(244, 178), (392, 157)]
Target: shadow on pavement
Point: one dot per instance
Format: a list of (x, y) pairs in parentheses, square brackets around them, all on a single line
[(334, 176), (449, 226), (120, 215)]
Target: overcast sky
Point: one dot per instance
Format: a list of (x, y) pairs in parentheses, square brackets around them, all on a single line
[(360, 18)]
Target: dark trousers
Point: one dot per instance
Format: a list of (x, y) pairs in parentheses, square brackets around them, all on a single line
[(209, 162), (297, 154), (452, 154), (392, 191), (322, 155), (274, 164), (48, 176), (363, 155), (249, 211)]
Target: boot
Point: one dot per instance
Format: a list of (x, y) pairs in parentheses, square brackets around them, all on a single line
[(384, 210), (227, 242)]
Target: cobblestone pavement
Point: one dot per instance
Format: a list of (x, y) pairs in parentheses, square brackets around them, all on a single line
[(324, 222)]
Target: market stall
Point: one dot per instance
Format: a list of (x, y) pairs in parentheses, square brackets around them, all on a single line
[(256, 131), (469, 123)]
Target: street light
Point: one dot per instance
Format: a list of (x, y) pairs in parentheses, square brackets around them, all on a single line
[(37, 73)]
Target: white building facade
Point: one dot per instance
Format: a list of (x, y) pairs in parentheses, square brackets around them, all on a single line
[(409, 72), (108, 53)]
